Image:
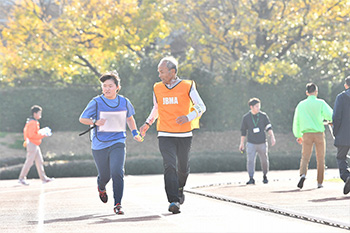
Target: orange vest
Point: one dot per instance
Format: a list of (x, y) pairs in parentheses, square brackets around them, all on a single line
[(173, 103)]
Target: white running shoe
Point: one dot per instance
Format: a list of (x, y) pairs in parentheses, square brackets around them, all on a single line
[(48, 180), (23, 181)]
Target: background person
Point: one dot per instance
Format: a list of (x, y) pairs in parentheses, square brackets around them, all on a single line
[(309, 129), (178, 107), (32, 140), (254, 124), (341, 132), (110, 113)]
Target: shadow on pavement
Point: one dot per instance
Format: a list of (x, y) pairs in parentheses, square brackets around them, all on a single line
[(331, 199), (294, 190)]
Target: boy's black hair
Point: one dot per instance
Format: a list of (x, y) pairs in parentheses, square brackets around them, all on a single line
[(35, 109)]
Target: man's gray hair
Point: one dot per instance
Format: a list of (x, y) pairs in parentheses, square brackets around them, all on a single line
[(171, 63)]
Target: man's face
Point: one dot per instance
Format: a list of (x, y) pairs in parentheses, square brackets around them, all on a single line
[(37, 115), (164, 74), (255, 109)]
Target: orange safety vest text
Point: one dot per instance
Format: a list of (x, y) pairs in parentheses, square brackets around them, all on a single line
[(173, 103)]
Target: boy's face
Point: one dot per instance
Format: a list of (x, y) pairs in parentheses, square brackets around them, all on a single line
[(109, 89), (37, 115), (255, 109)]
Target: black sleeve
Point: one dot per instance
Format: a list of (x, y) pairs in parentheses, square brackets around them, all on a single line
[(268, 123), (244, 126)]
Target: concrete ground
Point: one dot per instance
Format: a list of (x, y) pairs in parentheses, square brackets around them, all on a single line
[(215, 202)]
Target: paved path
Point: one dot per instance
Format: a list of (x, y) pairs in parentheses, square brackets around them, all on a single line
[(72, 205)]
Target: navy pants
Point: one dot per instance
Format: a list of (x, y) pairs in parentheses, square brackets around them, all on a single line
[(342, 163), (110, 163), (175, 153)]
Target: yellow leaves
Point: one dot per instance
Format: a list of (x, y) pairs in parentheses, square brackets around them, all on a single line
[(274, 70), (86, 34)]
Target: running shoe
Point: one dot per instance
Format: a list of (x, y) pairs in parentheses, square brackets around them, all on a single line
[(48, 180), (251, 181), (265, 180), (103, 195), (118, 209), (23, 181), (301, 182), (174, 207)]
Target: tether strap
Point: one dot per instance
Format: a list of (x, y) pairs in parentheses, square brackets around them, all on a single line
[(86, 131)]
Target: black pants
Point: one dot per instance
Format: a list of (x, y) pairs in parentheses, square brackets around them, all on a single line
[(342, 163), (175, 152)]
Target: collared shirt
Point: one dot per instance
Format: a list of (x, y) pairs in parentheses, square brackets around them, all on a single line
[(196, 99), (309, 116)]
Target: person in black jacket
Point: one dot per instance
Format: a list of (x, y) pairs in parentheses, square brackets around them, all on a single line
[(255, 124), (341, 132)]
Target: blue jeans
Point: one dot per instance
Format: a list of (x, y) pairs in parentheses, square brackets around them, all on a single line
[(110, 162)]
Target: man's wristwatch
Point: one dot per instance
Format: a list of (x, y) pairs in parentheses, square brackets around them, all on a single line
[(93, 121)]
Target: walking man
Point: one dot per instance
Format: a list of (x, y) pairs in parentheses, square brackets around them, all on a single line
[(341, 132), (178, 107), (255, 123), (308, 128)]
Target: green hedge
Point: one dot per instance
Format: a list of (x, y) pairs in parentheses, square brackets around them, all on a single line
[(61, 107), (226, 103), (222, 162)]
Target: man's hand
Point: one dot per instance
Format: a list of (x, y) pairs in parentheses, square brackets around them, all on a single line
[(273, 141), (241, 148), (300, 140), (181, 120), (144, 129)]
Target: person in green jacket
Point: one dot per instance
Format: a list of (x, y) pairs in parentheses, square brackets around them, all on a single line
[(309, 129)]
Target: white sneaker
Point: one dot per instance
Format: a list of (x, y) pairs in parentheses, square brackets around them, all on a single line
[(48, 180), (23, 181)]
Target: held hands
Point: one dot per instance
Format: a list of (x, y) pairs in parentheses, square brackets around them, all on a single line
[(137, 136), (144, 129)]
